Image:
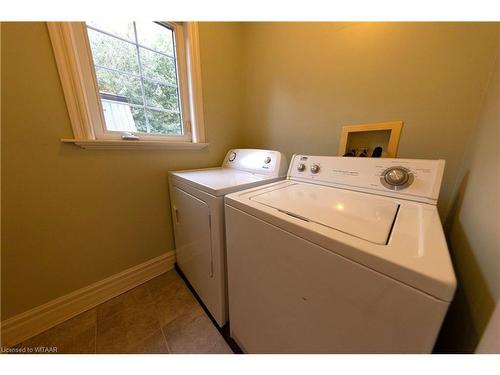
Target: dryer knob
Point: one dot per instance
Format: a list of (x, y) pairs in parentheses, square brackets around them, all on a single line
[(315, 168), (301, 167), (232, 156), (267, 160)]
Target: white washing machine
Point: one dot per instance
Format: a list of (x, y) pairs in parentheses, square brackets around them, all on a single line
[(197, 202), (347, 255)]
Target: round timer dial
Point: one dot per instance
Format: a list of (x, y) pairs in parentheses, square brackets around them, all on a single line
[(396, 178)]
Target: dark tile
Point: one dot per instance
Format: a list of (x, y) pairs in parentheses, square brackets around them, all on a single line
[(221, 347), (83, 343), (174, 301), (161, 283), (154, 344), (76, 335), (134, 297), (127, 328), (192, 333)]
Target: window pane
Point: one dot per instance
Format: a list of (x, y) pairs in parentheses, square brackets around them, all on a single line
[(158, 67), (164, 122), (160, 96), (155, 36), (122, 117), (140, 119), (118, 84), (113, 53), (121, 29), (118, 116)]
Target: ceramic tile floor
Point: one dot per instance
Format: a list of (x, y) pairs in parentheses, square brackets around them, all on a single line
[(160, 316)]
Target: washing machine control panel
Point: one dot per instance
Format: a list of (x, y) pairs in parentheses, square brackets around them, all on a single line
[(268, 162), (410, 178)]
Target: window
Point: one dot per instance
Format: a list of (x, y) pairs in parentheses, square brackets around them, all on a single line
[(137, 77), (126, 82)]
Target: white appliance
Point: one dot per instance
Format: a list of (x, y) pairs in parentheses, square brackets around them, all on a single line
[(197, 202), (347, 255)]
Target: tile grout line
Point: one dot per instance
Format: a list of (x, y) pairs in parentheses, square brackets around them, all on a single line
[(114, 314), (95, 330), (158, 317), (204, 312), (95, 334), (166, 341)]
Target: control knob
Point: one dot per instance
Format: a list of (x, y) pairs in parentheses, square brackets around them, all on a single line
[(301, 167), (315, 168), (267, 160), (232, 156), (396, 178)]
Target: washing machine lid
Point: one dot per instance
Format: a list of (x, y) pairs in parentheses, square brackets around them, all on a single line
[(221, 181), (367, 217)]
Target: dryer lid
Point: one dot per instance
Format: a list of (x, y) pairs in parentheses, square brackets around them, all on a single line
[(220, 181), (361, 215)]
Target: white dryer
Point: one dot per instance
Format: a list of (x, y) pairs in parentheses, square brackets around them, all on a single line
[(347, 255), (197, 202)]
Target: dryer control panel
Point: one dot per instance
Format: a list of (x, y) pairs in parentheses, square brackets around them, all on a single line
[(412, 179), (268, 162)]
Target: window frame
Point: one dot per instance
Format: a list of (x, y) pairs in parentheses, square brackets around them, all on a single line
[(78, 77)]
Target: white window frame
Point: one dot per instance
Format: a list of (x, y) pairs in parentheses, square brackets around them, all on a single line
[(78, 78)]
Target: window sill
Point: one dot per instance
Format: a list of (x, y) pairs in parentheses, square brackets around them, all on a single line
[(104, 144)]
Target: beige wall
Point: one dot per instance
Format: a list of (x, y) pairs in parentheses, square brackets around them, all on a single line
[(473, 230), (71, 217), (303, 81)]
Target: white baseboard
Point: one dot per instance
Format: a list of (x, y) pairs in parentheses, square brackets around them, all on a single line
[(32, 322)]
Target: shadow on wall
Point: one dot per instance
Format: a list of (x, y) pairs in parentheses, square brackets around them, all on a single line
[(473, 303)]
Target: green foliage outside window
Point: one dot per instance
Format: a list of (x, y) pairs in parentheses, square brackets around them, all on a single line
[(119, 73)]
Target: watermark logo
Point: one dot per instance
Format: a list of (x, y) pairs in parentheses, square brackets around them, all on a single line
[(29, 350)]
